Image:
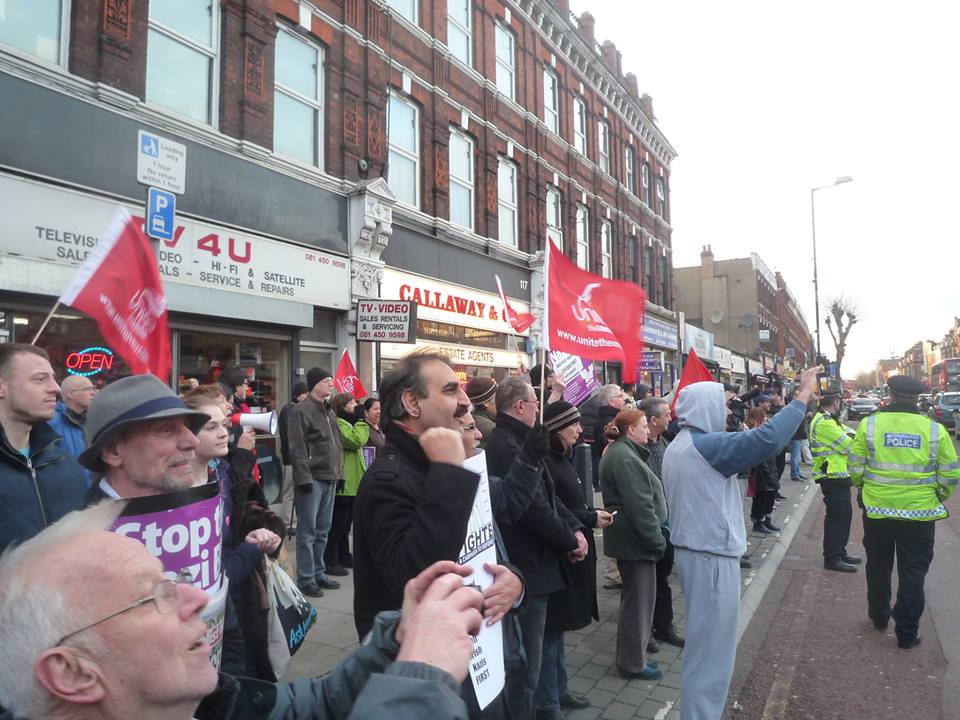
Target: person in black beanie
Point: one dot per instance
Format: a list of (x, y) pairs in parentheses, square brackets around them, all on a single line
[(316, 452)]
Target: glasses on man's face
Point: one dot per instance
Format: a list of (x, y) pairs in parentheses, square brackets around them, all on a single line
[(163, 597), (469, 428), (531, 400)]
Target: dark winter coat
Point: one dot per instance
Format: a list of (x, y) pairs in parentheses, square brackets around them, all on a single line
[(764, 475), (35, 493), (605, 415), (316, 450), (408, 514), (69, 426), (539, 540), (573, 607)]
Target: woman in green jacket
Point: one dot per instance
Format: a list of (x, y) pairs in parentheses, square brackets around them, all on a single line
[(354, 435), (634, 494)]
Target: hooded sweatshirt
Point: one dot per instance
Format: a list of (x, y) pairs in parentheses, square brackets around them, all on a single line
[(700, 469)]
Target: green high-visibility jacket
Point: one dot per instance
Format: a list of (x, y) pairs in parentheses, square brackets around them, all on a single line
[(829, 445), (905, 464)]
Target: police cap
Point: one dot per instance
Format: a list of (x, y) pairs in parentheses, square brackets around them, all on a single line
[(831, 392), (905, 386)]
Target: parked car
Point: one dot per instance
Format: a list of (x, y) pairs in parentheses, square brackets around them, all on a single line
[(944, 406), (861, 407)]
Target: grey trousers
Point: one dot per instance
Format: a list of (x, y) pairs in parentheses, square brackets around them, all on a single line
[(711, 590), (637, 601), (286, 496)]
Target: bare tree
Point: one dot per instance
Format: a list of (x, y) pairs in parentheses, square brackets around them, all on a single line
[(866, 380), (843, 313)]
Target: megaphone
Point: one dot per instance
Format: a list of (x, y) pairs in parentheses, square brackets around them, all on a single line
[(261, 422)]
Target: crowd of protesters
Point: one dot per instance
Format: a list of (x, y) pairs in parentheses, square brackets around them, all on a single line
[(376, 487)]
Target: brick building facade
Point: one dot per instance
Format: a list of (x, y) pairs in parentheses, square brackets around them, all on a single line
[(487, 120)]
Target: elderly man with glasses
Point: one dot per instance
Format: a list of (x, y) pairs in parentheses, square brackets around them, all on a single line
[(91, 628)]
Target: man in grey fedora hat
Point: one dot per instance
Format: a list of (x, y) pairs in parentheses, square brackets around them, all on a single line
[(141, 438)]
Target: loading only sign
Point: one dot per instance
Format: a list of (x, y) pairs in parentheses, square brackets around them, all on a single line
[(386, 321)]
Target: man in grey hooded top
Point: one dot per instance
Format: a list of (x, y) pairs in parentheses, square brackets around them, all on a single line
[(707, 528)]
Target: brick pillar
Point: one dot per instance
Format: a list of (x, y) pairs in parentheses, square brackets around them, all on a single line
[(108, 43), (247, 40)]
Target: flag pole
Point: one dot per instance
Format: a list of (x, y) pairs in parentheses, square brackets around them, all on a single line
[(543, 381), (46, 321)]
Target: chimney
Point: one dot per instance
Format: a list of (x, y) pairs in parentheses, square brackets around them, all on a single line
[(706, 262), (646, 102), (632, 86), (611, 57), (587, 24)]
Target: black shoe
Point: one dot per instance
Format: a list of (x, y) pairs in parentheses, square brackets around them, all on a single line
[(337, 570), (759, 527), (310, 589), (769, 525), (671, 637), (852, 560), (347, 563), (781, 497), (328, 584), (881, 625), (907, 644), (574, 701), (745, 564), (839, 565), (652, 646)]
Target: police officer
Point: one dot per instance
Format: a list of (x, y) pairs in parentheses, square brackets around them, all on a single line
[(905, 466), (829, 444)]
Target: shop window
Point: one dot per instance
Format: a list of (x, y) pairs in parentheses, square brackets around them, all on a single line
[(551, 102), (181, 57), (460, 335), (404, 158), (324, 328), (606, 249), (459, 30), (603, 137), (583, 238), (461, 180), (74, 345), (507, 202), (555, 213), (266, 363), (298, 99), (580, 126), (37, 27), (506, 60), (405, 8)]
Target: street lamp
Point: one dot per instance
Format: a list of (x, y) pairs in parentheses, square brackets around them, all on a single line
[(813, 223)]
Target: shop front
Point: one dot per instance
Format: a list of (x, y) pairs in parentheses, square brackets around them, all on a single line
[(701, 342), (738, 371), (659, 336), (235, 298), (757, 376), (725, 361), (463, 323)]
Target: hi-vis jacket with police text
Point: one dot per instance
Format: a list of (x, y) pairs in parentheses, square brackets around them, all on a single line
[(905, 464), (829, 445)]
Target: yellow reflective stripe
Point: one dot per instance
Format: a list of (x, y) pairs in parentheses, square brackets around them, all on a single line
[(884, 480)]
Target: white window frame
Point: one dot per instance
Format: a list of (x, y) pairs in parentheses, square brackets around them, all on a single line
[(510, 69), (212, 52), (583, 237), (315, 105), (551, 115), (466, 183), (468, 31), (401, 13), (645, 172), (415, 156), (507, 203), (606, 249), (580, 125), (63, 42), (661, 198), (603, 143), (630, 175), (554, 198)]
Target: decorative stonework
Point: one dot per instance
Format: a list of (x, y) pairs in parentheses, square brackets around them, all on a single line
[(440, 165), (375, 135), (369, 227), (350, 12), (116, 18), (253, 69), (351, 122)]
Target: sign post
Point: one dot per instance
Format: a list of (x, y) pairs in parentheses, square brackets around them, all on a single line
[(161, 214), (392, 321), (161, 163)]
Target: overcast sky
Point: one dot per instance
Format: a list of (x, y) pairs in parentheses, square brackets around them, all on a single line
[(765, 100)]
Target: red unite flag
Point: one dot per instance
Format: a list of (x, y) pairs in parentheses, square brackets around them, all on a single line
[(591, 316), (518, 321), (694, 371), (346, 379), (119, 286)]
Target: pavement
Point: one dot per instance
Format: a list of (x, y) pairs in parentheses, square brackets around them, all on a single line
[(590, 652)]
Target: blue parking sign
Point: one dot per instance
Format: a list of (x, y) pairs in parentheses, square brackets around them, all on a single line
[(161, 210)]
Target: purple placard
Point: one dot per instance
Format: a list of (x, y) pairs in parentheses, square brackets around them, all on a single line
[(577, 374), (181, 528), (369, 454)]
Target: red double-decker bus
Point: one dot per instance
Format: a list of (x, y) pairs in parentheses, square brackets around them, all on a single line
[(945, 375)]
